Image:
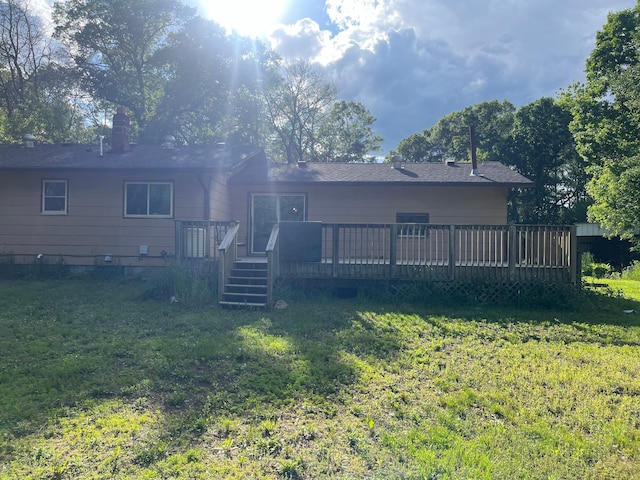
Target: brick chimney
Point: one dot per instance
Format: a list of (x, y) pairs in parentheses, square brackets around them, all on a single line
[(120, 133)]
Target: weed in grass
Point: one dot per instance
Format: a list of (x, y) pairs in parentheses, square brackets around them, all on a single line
[(150, 454), (267, 427), (291, 469), (176, 398)]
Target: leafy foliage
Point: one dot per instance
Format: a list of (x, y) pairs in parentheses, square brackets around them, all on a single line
[(295, 107), (542, 149), (36, 96), (346, 134), (449, 138), (606, 126), (115, 46), (534, 139), (309, 123)]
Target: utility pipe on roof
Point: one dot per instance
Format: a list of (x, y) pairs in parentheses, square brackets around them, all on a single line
[(474, 159)]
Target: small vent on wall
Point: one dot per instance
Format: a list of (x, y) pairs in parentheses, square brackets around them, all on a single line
[(28, 140)]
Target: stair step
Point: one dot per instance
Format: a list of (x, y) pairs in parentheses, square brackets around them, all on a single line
[(242, 304), (232, 288), (250, 266), (248, 273), (247, 279), (246, 285), (244, 295)]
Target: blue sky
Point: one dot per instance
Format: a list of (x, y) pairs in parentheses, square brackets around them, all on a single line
[(412, 61)]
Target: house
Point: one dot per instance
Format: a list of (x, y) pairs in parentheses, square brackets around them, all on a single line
[(142, 205), (368, 193), (116, 203)]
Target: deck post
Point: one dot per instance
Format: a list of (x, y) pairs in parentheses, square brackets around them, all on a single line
[(512, 252), (392, 250), (574, 264), (178, 241), (452, 252), (335, 252)]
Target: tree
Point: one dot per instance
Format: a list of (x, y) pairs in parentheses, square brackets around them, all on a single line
[(449, 137), (542, 149), (296, 108), (415, 148), (24, 48), (115, 46), (606, 123), (213, 91), (346, 134), (35, 87)]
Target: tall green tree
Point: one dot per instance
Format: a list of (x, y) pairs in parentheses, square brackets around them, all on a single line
[(416, 148), (214, 86), (35, 87), (296, 107), (606, 123), (115, 46), (449, 137), (542, 149), (347, 135)]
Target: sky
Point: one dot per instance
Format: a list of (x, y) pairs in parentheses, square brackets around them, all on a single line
[(410, 62)]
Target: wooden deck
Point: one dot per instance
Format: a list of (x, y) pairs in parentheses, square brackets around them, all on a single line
[(440, 253), (416, 252)]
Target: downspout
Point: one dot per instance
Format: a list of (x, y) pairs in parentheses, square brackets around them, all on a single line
[(207, 200)]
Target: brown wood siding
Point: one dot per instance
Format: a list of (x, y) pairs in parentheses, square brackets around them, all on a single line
[(219, 203), (379, 204), (95, 224)]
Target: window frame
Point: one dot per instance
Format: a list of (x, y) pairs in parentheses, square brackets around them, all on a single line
[(44, 197), (147, 184), (423, 231)]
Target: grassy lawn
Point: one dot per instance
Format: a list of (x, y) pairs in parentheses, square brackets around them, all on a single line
[(96, 382)]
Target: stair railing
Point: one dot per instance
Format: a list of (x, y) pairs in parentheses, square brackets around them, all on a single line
[(227, 255), (273, 261)]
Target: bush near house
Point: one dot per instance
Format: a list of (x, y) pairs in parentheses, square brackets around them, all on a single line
[(591, 268)]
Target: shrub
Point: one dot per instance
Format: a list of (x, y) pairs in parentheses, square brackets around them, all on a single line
[(177, 283), (600, 270), (632, 272), (587, 263)]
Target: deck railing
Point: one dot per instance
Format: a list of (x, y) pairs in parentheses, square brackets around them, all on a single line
[(227, 255), (443, 252), (197, 240), (273, 261)]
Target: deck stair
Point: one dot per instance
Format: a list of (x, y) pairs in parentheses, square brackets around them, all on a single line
[(246, 286)]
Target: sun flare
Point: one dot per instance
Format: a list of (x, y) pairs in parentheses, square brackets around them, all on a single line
[(247, 17)]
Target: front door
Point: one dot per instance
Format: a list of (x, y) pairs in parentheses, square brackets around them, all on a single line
[(269, 209)]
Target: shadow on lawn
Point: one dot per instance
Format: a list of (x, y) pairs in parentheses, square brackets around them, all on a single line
[(67, 346), (194, 364), (591, 316)]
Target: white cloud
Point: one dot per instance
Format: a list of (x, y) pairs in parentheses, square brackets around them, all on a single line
[(304, 39), (412, 61)]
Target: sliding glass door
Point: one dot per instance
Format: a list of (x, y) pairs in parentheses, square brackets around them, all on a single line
[(269, 209)]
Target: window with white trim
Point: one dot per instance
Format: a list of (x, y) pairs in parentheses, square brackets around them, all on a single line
[(54, 197), (148, 199)]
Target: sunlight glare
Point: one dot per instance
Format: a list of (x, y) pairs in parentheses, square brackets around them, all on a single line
[(251, 18)]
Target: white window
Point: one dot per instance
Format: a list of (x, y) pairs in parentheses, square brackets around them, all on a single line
[(148, 199), (54, 197)]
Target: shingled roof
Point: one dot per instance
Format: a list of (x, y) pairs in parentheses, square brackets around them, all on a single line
[(147, 157), (489, 174)]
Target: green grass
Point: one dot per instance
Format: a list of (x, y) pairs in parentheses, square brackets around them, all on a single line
[(98, 383)]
